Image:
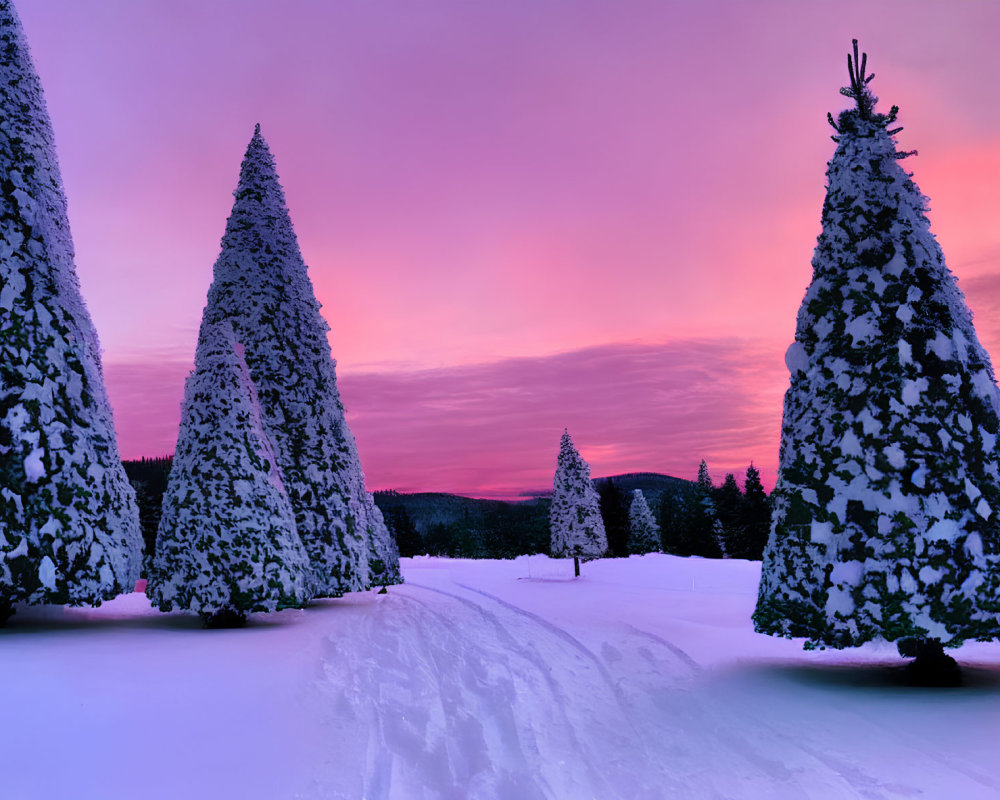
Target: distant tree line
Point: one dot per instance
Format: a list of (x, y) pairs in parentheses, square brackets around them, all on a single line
[(490, 529), (694, 518), (148, 477), (698, 518)]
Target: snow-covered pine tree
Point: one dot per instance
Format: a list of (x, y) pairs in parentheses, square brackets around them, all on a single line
[(69, 525), (575, 516), (644, 533), (383, 553), (709, 528), (227, 544), (886, 506), (262, 286)]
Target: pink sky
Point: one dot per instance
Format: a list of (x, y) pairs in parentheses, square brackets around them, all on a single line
[(518, 216)]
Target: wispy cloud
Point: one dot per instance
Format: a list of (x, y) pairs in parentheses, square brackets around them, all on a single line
[(983, 296), (493, 429)]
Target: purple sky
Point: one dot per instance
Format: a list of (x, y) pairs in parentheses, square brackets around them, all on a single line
[(518, 216)]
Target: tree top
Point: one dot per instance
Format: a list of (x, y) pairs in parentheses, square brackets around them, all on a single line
[(860, 91)]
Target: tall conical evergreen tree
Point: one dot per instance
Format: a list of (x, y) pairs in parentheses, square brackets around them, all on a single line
[(227, 543), (262, 286), (644, 533), (69, 525), (728, 501), (888, 494), (707, 528), (755, 515), (575, 515)]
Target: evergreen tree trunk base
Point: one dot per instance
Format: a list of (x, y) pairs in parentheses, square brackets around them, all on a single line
[(6, 612), (383, 590), (576, 567), (227, 618), (931, 666)]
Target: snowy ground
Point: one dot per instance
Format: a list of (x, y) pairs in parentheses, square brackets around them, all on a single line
[(510, 680)]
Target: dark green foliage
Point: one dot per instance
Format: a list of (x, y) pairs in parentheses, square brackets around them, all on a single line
[(704, 480), (408, 538), (688, 523), (154, 472), (729, 506), (465, 527), (451, 525), (148, 477), (614, 512), (439, 540), (755, 514)]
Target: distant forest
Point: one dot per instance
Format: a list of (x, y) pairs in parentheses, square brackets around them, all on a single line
[(695, 517), (148, 477)]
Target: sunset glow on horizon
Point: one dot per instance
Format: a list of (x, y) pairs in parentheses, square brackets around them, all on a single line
[(518, 217)]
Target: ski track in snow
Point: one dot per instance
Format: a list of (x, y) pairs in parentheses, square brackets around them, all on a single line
[(641, 681), (459, 714), (466, 695)]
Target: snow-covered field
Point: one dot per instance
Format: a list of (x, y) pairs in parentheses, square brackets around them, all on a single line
[(642, 679)]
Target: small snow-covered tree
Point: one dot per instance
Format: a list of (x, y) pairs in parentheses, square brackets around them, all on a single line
[(261, 285), (644, 533), (707, 523), (227, 544), (69, 525), (575, 516), (887, 503), (382, 549)]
